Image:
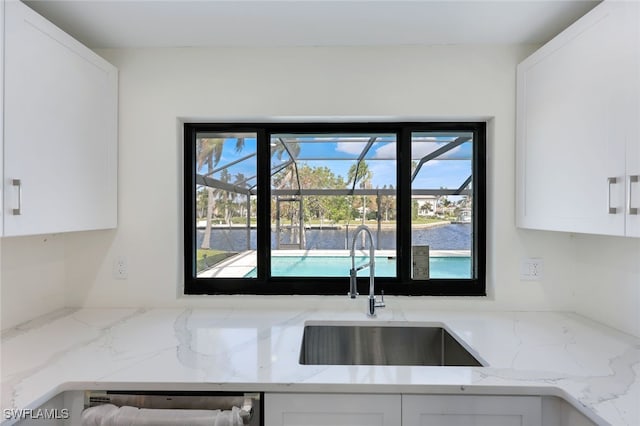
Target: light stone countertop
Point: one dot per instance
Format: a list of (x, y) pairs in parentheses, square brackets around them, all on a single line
[(544, 353)]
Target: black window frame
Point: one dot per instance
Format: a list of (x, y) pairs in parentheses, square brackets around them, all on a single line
[(402, 284)]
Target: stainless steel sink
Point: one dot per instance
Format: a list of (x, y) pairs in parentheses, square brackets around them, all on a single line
[(382, 345)]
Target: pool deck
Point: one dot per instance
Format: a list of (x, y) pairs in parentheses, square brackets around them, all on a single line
[(241, 264)]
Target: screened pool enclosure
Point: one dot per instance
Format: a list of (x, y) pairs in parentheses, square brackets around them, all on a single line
[(321, 186)]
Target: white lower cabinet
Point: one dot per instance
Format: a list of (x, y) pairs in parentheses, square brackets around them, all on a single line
[(282, 409), (65, 409), (455, 410), (558, 412)]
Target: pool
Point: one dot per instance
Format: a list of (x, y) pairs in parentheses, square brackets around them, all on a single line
[(338, 266)]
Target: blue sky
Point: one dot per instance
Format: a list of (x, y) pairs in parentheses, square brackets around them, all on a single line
[(448, 171)]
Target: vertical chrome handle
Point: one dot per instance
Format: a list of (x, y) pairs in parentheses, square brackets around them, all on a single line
[(632, 179), (611, 181), (18, 183)]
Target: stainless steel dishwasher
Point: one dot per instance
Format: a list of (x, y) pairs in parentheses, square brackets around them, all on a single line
[(249, 403)]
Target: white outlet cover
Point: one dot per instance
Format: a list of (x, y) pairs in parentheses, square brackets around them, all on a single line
[(120, 268), (532, 269)]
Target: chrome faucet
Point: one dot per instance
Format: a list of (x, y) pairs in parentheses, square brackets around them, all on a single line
[(353, 273)]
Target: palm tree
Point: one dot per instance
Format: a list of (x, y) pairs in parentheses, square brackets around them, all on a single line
[(387, 203), (240, 179), (363, 173), (360, 173), (208, 153), (287, 177), (226, 197)]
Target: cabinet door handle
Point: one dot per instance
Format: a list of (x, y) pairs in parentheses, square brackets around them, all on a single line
[(18, 183), (612, 181), (632, 179)]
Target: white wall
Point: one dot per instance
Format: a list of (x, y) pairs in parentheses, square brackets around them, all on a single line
[(607, 284), (33, 279), (158, 86)]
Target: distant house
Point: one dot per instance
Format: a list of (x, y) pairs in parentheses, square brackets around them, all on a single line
[(426, 204)]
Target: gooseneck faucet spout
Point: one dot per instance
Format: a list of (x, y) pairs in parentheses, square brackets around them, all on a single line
[(353, 273)]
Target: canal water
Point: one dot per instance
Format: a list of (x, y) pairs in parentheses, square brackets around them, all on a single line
[(446, 237)]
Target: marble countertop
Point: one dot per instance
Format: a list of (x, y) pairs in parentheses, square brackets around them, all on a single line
[(590, 365)]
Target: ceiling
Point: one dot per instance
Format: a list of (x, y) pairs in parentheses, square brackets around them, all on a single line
[(180, 23)]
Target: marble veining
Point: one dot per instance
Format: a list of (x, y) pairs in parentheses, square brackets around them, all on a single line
[(545, 353)]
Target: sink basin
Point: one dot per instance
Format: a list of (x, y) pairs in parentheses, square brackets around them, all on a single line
[(340, 344)]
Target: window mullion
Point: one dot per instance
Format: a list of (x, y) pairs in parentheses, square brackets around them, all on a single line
[(479, 197), (189, 204), (403, 205), (263, 222)]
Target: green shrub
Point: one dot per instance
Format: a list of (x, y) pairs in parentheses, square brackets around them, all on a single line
[(209, 257)]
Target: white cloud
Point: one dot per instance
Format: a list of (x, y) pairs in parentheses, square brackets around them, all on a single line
[(354, 148), (386, 151), (419, 150)]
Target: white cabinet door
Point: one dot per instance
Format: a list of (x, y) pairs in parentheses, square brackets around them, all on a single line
[(60, 133), (633, 109), (1, 112), (64, 409), (571, 128), (331, 409), (453, 410)]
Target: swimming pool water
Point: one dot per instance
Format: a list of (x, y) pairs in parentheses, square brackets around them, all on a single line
[(328, 266)]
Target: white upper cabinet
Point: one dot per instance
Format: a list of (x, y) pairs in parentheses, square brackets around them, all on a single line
[(577, 127), (632, 107), (1, 112), (60, 130)]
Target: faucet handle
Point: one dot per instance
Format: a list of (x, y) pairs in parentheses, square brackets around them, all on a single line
[(380, 304), (353, 283)]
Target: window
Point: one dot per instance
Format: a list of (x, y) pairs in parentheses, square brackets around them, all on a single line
[(272, 208)]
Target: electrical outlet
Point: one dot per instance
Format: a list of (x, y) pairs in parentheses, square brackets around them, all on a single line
[(532, 269), (120, 268)]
